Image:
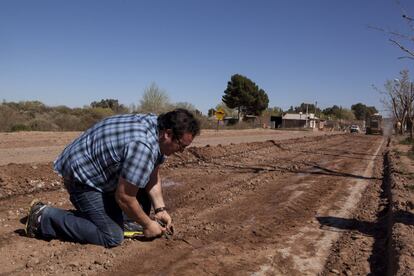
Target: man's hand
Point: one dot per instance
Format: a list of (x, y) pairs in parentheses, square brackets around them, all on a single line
[(153, 230), (165, 218)]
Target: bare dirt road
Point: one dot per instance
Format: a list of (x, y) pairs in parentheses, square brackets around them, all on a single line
[(36, 146), (288, 206)]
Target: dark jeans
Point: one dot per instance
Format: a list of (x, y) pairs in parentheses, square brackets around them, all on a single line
[(97, 219)]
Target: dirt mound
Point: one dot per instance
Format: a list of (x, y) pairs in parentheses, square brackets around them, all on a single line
[(20, 179), (400, 175)]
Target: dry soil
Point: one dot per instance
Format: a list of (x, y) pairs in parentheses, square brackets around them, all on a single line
[(252, 202)]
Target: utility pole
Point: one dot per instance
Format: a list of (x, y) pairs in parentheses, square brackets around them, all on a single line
[(410, 115), (307, 114)]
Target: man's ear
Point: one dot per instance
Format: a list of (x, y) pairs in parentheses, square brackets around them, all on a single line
[(168, 134), (162, 135)]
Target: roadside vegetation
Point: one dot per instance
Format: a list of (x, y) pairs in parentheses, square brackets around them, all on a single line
[(408, 142), (244, 104), (36, 116)]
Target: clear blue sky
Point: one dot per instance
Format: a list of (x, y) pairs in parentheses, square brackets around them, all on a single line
[(75, 52)]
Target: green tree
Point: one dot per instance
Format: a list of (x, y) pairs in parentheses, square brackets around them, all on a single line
[(346, 114), (333, 112), (259, 104), (362, 112), (154, 100), (244, 95), (111, 104), (338, 113)]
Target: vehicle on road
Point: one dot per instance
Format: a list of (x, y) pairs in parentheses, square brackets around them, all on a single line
[(374, 124), (354, 129)]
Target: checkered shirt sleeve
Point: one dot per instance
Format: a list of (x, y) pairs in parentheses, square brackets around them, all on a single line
[(138, 164)]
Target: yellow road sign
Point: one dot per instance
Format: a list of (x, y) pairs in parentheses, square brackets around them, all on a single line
[(219, 114)]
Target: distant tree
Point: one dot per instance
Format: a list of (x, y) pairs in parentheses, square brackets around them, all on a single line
[(68, 122), (346, 114), (399, 99), (111, 104), (259, 104), (304, 107), (132, 108), (331, 112), (211, 112), (28, 108), (359, 110), (33, 106), (244, 95), (154, 100), (62, 109), (188, 106), (371, 110), (362, 112), (9, 117), (198, 113), (42, 125), (406, 90), (185, 105), (273, 111), (338, 112)]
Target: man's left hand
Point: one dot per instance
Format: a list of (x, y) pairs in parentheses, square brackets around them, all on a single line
[(165, 218)]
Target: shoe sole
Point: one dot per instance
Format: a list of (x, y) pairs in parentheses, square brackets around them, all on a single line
[(34, 201), (133, 234)]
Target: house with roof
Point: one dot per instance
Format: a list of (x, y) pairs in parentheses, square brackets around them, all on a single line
[(300, 120)]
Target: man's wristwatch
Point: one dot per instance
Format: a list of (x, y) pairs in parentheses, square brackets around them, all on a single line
[(160, 209)]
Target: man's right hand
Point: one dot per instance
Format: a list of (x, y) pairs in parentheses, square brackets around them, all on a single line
[(154, 230)]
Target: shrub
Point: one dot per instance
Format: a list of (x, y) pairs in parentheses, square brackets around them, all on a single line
[(407, 141), (242, 125), (67, 122), (10, 117), (20, 127), (206, 123), (42, 125)]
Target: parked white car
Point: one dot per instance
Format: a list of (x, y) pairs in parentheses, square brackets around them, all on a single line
[(354, 129)]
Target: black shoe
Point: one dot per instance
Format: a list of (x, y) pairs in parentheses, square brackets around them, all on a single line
[(132, 229), (33, 223), (132, 226)]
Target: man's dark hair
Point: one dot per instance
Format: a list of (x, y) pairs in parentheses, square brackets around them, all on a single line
[(180, 121)]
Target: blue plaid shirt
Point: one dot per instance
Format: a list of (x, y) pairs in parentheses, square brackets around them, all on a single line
[(119, 146)]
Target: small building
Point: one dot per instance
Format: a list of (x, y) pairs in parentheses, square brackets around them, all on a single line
[(300, 120), (275, 121), (230, 121)]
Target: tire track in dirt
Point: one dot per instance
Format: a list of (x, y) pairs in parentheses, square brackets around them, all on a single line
[(311, 262), (227, 244)]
